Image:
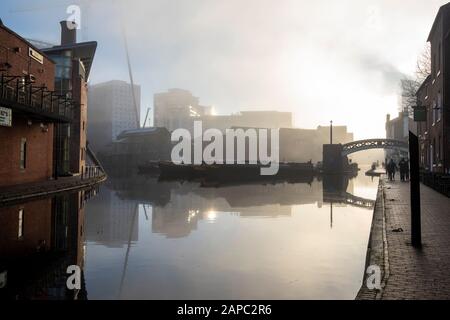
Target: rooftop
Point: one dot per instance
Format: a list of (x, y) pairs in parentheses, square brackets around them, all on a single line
[(84, 51), (111, 83), (139, 132), (444, 8)]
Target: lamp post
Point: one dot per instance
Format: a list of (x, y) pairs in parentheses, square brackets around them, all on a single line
[(331, 132), (416, 233), (420, 115)]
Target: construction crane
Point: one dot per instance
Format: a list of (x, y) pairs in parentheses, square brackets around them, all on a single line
[(146, 117), (130, 73), (85, 6)]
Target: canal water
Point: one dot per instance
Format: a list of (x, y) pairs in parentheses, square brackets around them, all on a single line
[(137, 238)]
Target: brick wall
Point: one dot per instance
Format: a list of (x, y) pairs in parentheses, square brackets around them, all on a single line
[(14, 51), (39, 160), (37, 226), (15, 60)]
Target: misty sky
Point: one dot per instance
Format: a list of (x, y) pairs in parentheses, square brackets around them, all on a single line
[(322, 60)]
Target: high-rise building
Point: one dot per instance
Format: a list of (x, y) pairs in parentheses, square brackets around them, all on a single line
[(251, 119), (111, 111), (177, 109), (112, 221)]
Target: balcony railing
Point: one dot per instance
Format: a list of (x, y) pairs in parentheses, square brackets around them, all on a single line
[(18, 93)]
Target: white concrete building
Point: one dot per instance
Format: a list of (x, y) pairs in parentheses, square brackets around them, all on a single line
[(111, 111), (176, 109)]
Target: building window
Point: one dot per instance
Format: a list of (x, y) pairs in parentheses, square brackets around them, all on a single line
[(439, 149), (433, 65), (439, 107), (82, 196), (434, 152), (20, 225), (439, 60), (434, 106), (23, 153)]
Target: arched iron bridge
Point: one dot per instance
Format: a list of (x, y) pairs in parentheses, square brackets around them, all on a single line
[(361, 145), (349, 199)]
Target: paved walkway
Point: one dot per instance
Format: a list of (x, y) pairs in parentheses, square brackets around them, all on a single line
[(417, 273), (414, 273)]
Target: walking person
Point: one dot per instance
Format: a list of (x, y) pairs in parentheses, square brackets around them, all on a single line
[(392, 169), (401, 165), (389, 170)]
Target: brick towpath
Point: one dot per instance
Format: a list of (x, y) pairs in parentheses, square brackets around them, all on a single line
[(410, 273)]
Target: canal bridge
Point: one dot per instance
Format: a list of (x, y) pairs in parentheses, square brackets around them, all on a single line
[(348, 199), (335, 155), (368, 144)]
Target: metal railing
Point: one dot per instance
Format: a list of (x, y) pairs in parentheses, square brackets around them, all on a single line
[(437, 181), (19, 91), (92, 172)]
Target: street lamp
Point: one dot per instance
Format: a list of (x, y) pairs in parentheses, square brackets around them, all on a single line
[(331, 132)]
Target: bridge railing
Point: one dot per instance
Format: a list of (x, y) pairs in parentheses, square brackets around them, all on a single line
[(436, 181), (367, 144)]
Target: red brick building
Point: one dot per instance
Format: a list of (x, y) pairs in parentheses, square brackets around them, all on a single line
[(43, 107), (434, 94), (29, 111)]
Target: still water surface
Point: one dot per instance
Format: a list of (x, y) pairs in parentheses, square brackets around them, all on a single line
[(136, 238), (149, 240)]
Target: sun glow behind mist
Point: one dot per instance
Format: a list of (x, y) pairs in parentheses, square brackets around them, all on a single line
[(322, 60)]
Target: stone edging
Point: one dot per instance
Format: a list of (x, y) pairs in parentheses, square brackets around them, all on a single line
[(377, 249)]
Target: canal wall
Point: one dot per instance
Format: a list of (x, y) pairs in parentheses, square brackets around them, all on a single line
[(377, 249), (46, 188)]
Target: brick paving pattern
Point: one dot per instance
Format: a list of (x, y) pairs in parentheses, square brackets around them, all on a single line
[(417, 273)]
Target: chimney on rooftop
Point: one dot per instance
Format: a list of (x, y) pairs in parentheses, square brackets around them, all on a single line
[(68, 32)]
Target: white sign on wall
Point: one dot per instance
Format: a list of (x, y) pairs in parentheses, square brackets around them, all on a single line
[(5, 117), (36, 55)]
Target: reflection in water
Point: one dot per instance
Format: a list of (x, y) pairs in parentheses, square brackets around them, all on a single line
[(156, 240), (143, 239), (39, 239)]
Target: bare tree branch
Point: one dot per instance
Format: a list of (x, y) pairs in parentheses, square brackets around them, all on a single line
[(409, 86), (423, 69), (409, 89)]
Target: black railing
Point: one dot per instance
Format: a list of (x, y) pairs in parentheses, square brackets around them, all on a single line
[(92, 172), (19, 92), (437, 181)]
